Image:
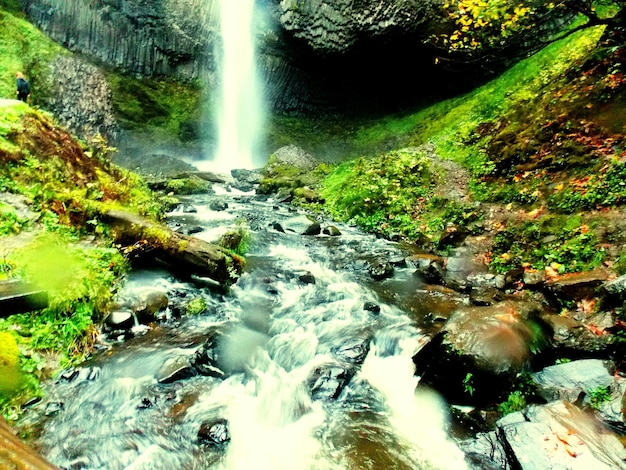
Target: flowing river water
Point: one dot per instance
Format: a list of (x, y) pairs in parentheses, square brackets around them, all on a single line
[(302, 304)]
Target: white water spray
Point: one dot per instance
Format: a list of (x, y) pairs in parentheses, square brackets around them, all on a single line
[(240, 107), (418, 416)]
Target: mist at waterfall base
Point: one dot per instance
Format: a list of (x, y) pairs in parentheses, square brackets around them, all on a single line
[(239, 107)]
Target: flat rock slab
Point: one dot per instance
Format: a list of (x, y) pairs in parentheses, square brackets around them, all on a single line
[(559, 436), (566, 381)]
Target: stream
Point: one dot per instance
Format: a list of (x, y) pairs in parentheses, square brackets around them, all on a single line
[(318, 361)]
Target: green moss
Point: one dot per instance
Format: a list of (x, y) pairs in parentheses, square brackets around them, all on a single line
[(190, 185), (196, 306), (563, 243), (150, 104)]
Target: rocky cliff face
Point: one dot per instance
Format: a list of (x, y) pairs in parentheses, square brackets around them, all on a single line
[(311, 52), (336, 26)]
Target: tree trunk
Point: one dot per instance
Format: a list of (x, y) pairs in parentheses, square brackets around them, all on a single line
[(186, 255)]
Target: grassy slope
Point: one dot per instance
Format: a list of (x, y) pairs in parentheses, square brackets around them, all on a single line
[(66, 184), (22, 48), (526, 138)]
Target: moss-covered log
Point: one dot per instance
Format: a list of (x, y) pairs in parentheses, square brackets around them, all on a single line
[(187, 255)]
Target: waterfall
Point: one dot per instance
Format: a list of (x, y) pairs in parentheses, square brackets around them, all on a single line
[(240, 105)]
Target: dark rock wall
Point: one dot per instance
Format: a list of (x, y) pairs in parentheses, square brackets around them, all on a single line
[(81, 98), (335, 26), (311, 52), (148, 37)]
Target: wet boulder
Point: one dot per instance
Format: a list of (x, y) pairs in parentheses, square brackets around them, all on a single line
[(574, 335), (570, 380), (228, 350), (352, 351), (302, 225), (122, 319), (214, 433), (147, 305), (479, 352), (246, 177), (175, 369), (380, 269), (207, 358), (610, 404), (306, 278), (295, 158), (218, 205), (576, 286), (430, 270), (327, 382), (331, 231)]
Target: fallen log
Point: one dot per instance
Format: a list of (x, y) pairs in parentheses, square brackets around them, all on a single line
[(17, 296), (15, 454), (186, 255)]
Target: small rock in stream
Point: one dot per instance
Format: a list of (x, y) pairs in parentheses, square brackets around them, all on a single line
[(177, 368), (327, 383), (120, 320), (372, 308), (380, 269), (214, 433)]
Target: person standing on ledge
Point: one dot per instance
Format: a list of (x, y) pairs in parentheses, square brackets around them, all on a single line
[(23, 87)]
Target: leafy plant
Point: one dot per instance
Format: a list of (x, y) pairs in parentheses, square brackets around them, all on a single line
[(516, 401), (599, 395), (468, 383)]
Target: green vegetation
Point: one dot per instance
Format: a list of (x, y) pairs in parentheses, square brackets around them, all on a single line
[(23, 48), (395, 193), (599, 395), (468, 384), (543, 140), (196, 306), (66, 186), (166, 109), (516, 401), (563, 243)]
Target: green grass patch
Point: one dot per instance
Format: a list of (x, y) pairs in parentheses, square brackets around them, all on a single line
[(23, 48), (563, 243), (393, 194)]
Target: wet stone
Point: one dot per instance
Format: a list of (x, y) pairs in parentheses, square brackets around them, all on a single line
[(120, 320), (559, 435), (380, 269), (353, 351), (371, 307), (175, 369), (206, 359), (327, 383), (214, 433), (331, 231), (194, 230), (302, 225), (306, 278), (431, 272), (54, 408), (567, 381), (218, 205)]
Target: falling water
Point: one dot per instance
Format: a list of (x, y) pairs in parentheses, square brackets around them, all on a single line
[(239, 109)]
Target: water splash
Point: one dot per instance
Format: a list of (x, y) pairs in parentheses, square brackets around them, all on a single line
[(240, 106), (417, 414)]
